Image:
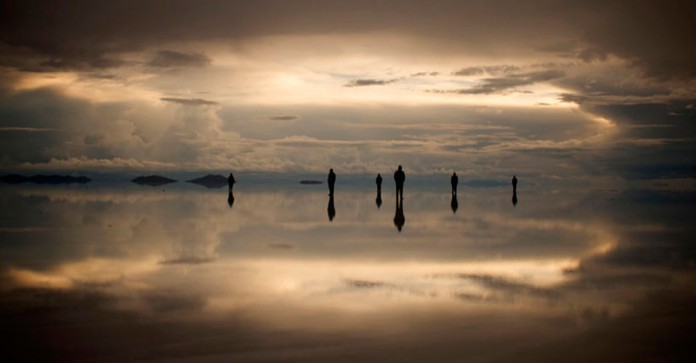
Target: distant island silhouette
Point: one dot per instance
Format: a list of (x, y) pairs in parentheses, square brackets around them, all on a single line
[(210, 181), (44, 179), (154, 180), (311, 182)]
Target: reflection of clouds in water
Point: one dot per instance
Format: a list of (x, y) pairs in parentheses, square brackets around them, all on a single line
[(188, 255)]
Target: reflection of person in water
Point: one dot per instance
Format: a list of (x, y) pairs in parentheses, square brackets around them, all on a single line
[(230, 198), (230, 195), (514, 190), (399, 218), (454, 203), (399, 179), (331, 180), (378, 200), (331, 210), (454, 180)]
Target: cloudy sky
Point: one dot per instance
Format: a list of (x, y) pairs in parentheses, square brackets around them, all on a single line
[(545, 89)]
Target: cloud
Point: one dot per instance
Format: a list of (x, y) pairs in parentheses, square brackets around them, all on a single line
[(492, 70), (189, 101), (508, 286), (653, 36), (83, 163), (174, 59), (369, 82), (284, 118), (500, 84), (187, 261), (574, 98), (421, 74), (25, 129), (173, 301)]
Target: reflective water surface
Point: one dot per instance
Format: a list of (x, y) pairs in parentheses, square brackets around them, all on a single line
[(288, 274)]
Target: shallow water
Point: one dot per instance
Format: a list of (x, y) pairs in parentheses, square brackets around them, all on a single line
[(125, 272)]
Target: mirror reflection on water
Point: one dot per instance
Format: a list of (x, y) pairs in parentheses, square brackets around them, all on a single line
[(289, 273)]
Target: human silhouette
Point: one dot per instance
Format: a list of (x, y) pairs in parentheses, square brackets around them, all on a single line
[(514, 197), (514, 183), (454, 180), (331, 180), (230, 198), (331, 210), (399, 178), (399, 218), (231, 181), (454, 203), (378, 200)]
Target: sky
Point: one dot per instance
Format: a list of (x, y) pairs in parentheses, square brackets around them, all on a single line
[(553, 90)]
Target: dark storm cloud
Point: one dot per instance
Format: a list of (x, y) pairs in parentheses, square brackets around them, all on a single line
[(25, 129), (172, 301), (500, 84), (655, 36), (570, 97), (369, 82), (189, 101), (174, 59)]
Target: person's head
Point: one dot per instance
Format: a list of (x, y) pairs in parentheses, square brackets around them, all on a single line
[(399, 167), (455, 173), (330, 170)]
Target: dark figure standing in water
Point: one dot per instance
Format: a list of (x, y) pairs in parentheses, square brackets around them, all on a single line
[(399, 218), (331, 210), (332, 181), (378, 200), (454, 180), (514, 183), (399, 178)]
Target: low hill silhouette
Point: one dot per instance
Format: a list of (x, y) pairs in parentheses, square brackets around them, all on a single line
[(210, 181), (153, 180), (44, 179), (311, 182)]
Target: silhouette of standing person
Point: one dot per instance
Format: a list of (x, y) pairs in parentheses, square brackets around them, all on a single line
[(378, 181), (514, 183), (331, 180), (399, 178), (454, 180)]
